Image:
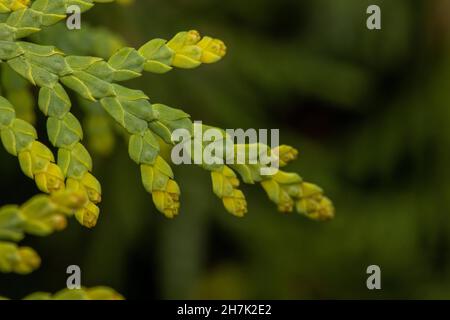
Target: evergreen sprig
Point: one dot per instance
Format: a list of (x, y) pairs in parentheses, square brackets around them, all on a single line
[(95, 79), (149, 127)]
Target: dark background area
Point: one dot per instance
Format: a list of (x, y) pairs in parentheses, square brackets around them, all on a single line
[(369, 112)]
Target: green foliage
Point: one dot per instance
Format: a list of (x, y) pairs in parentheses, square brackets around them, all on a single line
[(94, 79), (148, 127)]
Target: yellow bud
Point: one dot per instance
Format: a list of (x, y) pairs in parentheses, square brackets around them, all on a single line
[(187, 53), (28, 261), (184, 39), (326, 210), (213, 50), (236, 204), (93, 187), (159, 201), (306, 206), (191, 50), (316, 208), (50, 179), (168, 201), (58, 222), (285, 154), (173, 188), (224, 182), (88, 215), (285, 202), (192, 37)]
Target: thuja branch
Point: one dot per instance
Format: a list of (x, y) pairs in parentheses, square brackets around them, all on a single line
[(288, 190), (149, 127), (37, 161), (188, 50), (92, 78)]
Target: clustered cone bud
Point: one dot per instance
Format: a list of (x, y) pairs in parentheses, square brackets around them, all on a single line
[(21, 260), (225, 186)]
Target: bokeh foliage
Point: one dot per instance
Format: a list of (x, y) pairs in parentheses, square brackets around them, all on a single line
[(369, 113)]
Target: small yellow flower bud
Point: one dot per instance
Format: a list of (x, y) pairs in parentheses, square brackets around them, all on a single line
[(314, 204), (93, 187), (285, 154), (189, 50), (285, 202), (168, 201), (58, 222), (236, 204), (213, 50), (50, 179), (28, 261), (88, 215), (225, 184), (187, 53), (184, 39), (192, 37), (320, 208)]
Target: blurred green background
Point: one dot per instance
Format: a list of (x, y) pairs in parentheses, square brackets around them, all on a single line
[(369, 112)]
